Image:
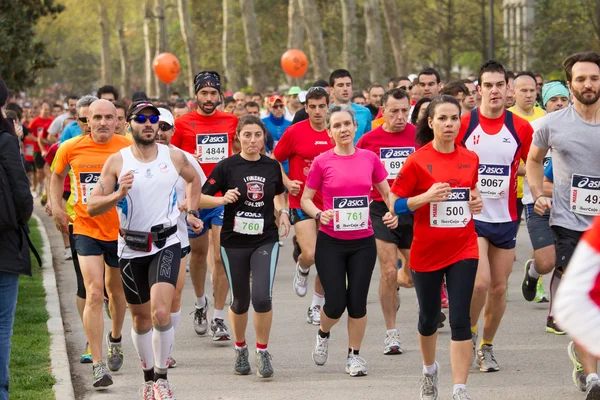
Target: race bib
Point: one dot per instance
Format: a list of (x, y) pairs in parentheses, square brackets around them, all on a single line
[(494, 181), (87, 182), (452, 213), (29, 150), (585, 194), (212, 148), (350, 213), (248, 223), (393, 158)]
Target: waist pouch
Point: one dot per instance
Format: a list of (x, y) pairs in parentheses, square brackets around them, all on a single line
[(142, 241)]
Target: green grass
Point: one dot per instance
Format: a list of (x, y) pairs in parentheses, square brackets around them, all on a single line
[(30, 373)]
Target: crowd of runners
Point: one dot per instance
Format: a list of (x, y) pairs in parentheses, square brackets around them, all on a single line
[(431, 178)]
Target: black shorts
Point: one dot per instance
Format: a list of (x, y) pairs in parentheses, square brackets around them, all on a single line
[(38, 160), (185, 251), (141, 273), (87, 246), (29, 166), (502, 235), (81, 292), (566, 240), (520, 207), (402, 236), (297, 215), (538, 226), (66, 195)]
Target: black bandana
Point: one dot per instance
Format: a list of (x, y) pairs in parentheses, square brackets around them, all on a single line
[(207, 79)]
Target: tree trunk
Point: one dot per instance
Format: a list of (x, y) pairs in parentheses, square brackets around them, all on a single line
[(484, 51), (312, 24), (349, 25), (396, 36), (105, 48), (123, 51), (449, 49), (373, 45), (189, 42), (231, 75), (147, 50), (295, 33), (161, 42), (253, 46)]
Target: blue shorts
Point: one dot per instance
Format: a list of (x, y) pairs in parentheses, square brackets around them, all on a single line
[(297, 215), (502, 235), (88, 246), (209, 217)]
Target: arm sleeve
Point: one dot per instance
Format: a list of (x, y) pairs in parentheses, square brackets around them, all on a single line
[(406, 181), (315, 175), (216, 181), (10, 159)]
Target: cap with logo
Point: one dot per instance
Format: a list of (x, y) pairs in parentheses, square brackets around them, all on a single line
[(294, 90), (274, 98), (138, 106), (166, 116)]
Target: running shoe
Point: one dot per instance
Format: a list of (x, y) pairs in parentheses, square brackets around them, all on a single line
[(441, 320), (314, 315), (200, 320), (474, 360), (540, 294), (320, 353), (86, 358), (355, 365), (392, 343), (264, 368), (578, 373), (461, 394), (163, 390), (107, 308), (592, 389), (242, 365), (529, 285), (219, 330), (101, 377), (445, 303), (115, 354), (487, 359), (300, 282), (171, 362), (429, 385), (68, 255), (551, 327), (297, 250), (147, 390)]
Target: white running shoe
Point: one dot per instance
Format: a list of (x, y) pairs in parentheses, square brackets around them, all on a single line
[(300, 282), (392, 343), (320, 353), (314, 315), (355, 365)]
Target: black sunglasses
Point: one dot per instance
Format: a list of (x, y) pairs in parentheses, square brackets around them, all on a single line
[(83, 120), (405, 87), (141, 119), (164, 127)]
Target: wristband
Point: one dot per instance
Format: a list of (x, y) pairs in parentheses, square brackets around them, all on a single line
[(284, 211), (401, 206), (193, 212), (318, 216)]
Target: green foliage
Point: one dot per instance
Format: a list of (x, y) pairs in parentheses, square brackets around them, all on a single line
[(21, 52)]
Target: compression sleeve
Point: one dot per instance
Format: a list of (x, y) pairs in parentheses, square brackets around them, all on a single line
[(401, 206)]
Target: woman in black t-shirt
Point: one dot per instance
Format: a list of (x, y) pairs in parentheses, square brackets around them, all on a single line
[(252, 188)]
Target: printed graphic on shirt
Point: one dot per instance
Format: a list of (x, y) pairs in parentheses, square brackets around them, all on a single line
[(255, 191)]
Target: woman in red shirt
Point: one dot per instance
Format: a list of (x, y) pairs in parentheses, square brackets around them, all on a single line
[(439, 184)]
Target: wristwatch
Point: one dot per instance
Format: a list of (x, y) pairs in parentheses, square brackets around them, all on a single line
[(193, 212), (318, 216)]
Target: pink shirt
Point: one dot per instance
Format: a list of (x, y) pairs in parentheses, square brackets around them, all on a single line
[(345, 183)]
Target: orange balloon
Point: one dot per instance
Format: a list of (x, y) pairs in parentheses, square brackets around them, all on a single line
[(294, 63), (166, 67)]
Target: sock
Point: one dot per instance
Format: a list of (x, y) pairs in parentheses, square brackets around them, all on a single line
[(219, 314), (591, 377), (554, 282), (303, 271), (239, 345), (474, 329), (459, 386), (430, 369), (112, 339), (175, 318), (323, 335), (317, 300), (148, 375), (261, 347), (483, 341), (162, 344), (353, 351), (532, 272), (201, 302), (142, 341), (390, 331), (160, 373)]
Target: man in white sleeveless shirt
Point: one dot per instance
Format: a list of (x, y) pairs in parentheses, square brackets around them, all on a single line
[(144, 178)]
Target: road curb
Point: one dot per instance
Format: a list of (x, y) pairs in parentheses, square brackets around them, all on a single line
[(63, 388)]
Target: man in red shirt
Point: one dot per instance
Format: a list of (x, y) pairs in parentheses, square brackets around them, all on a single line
[(39, 129), (393, 142), (209, 134), (300, 144)]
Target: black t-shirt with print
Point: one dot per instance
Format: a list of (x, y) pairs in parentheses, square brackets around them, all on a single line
[(249, 222)]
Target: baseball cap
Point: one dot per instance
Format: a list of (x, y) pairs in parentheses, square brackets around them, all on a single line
[(274, 98), (138, 106), (302, 96), (294, 90), (166, 116)]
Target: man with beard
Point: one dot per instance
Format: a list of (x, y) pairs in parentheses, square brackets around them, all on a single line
[(572, 134), (140, 181), (209, 134)]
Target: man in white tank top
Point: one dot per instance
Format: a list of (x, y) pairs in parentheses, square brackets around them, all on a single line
[(144, 176)]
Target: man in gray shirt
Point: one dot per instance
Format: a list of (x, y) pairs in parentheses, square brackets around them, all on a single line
[(574, 136)]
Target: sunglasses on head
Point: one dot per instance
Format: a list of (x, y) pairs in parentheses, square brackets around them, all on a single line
[(83, 120), (405, 87), (317, 89), (165, 127), (141, 119)]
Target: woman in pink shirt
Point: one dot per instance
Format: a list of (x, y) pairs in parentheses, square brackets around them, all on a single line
[(346, 248)]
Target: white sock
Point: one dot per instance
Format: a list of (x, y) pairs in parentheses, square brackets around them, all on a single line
[(175, 318), (591, 377), (317, 300), (162, 344), (389, 331), (143, 345), (304, 271), (459, 386), (201, 302), (430, 369), (532, 272), (220, 314)]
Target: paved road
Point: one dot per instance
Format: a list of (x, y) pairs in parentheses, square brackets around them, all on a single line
[(534, 364)]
